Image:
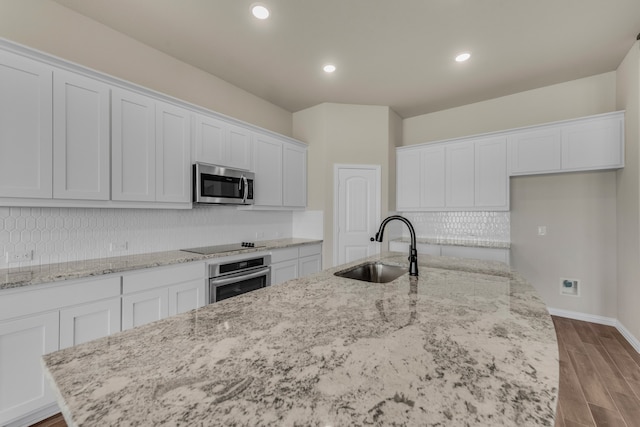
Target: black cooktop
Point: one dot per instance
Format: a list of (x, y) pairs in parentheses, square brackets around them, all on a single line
[(209, 250)]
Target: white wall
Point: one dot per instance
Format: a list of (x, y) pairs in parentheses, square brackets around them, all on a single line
[(577, 208), (344, 133), (628, 196), (576, 98), (56, 30), (579, 212)]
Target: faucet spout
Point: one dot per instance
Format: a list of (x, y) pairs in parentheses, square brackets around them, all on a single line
[(413, 252)]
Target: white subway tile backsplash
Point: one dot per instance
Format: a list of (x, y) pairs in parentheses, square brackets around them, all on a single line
[(494, 226), (69, 234)]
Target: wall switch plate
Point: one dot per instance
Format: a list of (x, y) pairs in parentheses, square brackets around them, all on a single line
[(118, 246), (542, 230), (23, 256)]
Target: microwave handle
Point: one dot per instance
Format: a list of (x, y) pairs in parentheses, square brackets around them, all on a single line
[(245, 193)]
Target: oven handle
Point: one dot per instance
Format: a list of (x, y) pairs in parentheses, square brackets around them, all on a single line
[(234, 278)]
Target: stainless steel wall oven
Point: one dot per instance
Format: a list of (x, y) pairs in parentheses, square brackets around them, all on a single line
[(230, 278)]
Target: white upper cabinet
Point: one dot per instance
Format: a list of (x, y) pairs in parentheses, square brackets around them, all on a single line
[(536, 151), (268, 169), (595, 144), (466, 175), (173, 153), (459, 181), (26, 127), (281, 173), (409, 182), (133, 145), (80, 137), (491, 178), (432, 177), (151, 149), (294, 175), (589, 143), (221, 143)]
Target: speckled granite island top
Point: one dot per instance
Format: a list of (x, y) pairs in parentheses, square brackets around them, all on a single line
[(26, 276), (466, 343)]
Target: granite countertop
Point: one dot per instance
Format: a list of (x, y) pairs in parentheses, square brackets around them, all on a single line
[(472, 242), (47, 273), (466, 343)]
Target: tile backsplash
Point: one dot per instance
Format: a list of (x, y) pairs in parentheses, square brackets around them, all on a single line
[(494, 226), (70, 234)]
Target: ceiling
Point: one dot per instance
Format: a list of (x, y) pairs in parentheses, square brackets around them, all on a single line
[(398, 53)]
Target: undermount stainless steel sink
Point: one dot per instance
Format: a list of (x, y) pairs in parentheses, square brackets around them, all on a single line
[(374, 272)]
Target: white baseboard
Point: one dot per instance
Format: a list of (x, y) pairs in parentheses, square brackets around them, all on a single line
[(609, 321), (629, 336)]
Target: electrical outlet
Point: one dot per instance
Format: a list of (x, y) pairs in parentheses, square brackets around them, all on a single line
[(570, 287), (542, 230), (118, 246), (13, 257)]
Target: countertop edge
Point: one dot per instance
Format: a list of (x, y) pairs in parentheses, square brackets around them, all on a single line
[(15, 278)]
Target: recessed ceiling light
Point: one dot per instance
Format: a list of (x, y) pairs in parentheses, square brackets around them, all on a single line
[(260, 11), (329, 68), (463, 57)]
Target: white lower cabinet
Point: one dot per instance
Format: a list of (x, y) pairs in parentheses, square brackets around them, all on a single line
[(144, 307), (150, 295), (88, 322), (40, 319), (23, 386), (295, 262)]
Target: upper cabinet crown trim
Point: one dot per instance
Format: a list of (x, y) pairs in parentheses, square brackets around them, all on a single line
[(114, 81), (507, 132)]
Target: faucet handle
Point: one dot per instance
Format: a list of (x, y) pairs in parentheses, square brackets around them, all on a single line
[(372, 239)]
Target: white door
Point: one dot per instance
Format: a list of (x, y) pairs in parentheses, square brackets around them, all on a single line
[(357, 211)]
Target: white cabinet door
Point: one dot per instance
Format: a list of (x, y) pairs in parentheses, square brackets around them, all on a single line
[(535, 151), (238, 147), (294, 175), (144, 307), (173, 153), (309, 265), (491, 179), (23, 386), (186, 296), (432, 177), (283, 271), (595, 144), (268, 171), (80, 137), (88, 322), (408, 180), (221, 143), (460, 173), (133, 142), (210, 140), (26, 128)]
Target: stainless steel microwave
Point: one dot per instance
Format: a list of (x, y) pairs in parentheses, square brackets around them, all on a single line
[(221, 186)]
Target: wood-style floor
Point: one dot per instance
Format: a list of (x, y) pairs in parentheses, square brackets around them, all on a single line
[(599, 378)]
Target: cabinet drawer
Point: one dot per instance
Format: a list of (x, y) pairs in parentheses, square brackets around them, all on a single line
[(162, 276), (308, 250), (285, 254), (36, 299)]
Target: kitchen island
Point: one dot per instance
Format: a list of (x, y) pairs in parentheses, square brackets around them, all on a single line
[(465, 343)]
